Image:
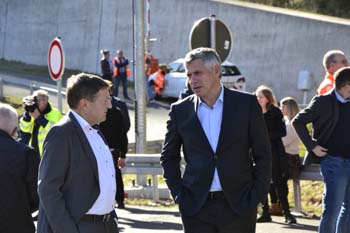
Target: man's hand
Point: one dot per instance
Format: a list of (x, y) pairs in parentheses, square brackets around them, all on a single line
[(35, 114), (320, 151), (121, 163)]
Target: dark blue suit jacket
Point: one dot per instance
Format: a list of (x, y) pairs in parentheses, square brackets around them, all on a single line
[(242, 158), (18, 190)]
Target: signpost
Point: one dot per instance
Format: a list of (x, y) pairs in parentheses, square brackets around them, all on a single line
[(213, 33), (56, 63)]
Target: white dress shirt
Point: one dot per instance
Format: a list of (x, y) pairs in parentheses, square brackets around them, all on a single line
[(210, 119), (104, 203)]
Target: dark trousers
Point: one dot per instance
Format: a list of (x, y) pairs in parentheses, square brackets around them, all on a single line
[(216, 216), (117, 80), (120, 186), (280, 187), (98, 227)]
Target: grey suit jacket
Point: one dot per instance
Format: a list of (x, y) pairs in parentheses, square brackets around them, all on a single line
[(242, 157), (68, 178)]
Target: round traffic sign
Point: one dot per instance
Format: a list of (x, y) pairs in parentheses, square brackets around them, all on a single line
[(56, 60), (200, 37)]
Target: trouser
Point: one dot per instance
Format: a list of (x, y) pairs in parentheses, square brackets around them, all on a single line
[(110, 226), (336, 196), (216, 216), (117, 80), (119, 197), (281, 186)]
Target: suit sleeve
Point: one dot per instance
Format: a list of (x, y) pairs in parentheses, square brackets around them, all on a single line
[(170, 156), (307, 115), (33, 160), (260, 151), (52, 176)]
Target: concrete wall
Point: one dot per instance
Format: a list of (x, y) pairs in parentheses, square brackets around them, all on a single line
[(270, 45)]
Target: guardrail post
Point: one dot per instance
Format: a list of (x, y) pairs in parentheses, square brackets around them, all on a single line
[(32, 87), (155, 190), (297, 196), (1, 88)]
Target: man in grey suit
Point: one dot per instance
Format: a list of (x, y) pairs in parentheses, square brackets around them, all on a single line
[(76, 175), (226, 148)]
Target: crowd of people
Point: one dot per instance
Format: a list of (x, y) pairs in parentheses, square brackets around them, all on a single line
[(238, 147)]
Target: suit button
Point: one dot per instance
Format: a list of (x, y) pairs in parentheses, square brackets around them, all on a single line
[(216, 157)]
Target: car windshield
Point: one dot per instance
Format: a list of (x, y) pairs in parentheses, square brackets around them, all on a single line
[(176, 67), (230, 70)]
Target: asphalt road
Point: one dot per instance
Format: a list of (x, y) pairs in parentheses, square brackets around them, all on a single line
[(141, 219)]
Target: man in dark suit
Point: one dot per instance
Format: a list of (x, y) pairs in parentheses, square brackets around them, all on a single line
[(114, 130), (226, 149), (18, 177), (329, 145), (76, 175)]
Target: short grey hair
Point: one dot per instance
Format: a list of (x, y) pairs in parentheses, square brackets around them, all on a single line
[(8, 118), (328, 58), (209, 57), (41, 93)]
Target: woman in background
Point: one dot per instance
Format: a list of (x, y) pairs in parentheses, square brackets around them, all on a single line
[(291, 141), (276, 128)]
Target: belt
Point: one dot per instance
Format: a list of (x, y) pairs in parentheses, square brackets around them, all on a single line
[(97, 218), (216, 195)]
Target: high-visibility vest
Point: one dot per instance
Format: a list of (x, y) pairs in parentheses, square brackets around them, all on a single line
[(115, 71), (326, 85), (27, 127), (159, 82)]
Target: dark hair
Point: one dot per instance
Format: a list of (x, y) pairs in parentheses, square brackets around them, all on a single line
[(83, 86), (342, 77)]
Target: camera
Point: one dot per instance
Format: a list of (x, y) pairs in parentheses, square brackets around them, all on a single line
[(30, 103)]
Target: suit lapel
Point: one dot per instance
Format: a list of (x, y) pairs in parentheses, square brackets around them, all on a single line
[(88, 152), (197, 124), (227, 117)]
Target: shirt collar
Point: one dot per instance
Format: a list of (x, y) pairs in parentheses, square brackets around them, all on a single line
[(340, 98), (82, 122), (220, 98)]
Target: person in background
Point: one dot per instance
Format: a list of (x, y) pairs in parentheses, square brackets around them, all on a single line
[(226, 149), (76, 184), (105, 65), (291, 142), (121, 73), (18, 177), (333, 60), (329, 145), (276, 129), (37, 120), (115, 133)]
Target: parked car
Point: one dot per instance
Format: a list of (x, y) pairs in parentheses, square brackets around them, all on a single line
[(175, 80)]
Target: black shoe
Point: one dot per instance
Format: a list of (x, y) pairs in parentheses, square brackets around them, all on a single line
[(264, 218), (290, 219), (127, 98), (121, 206)]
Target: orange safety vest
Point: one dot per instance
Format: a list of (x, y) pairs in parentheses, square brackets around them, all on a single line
[(326, 85), (152, 67), (115, 71), (159, 82)]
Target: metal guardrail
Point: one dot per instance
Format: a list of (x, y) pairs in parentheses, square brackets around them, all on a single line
[(309, 172), (149, 164), (31, 85)]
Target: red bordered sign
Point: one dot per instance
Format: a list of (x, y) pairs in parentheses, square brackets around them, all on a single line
[(56, 59)]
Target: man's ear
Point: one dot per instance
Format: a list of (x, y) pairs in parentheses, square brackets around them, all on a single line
[(217, 69)]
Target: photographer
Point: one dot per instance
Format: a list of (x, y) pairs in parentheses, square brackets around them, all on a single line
[(37, 119)]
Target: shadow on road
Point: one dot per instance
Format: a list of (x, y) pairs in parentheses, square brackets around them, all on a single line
[(301, 227), (150, 220)]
